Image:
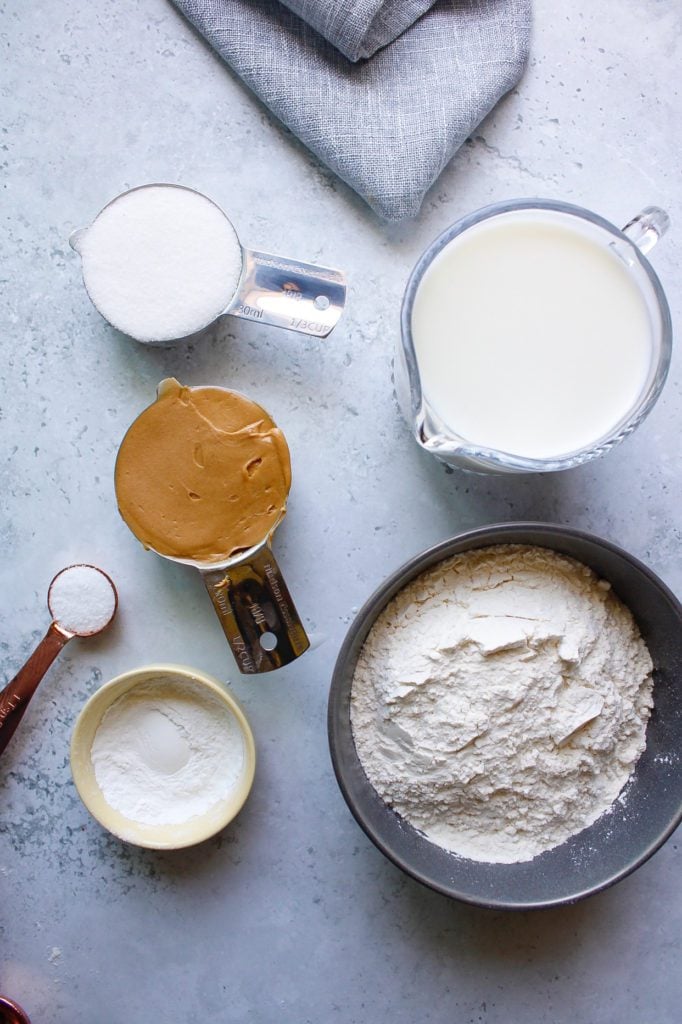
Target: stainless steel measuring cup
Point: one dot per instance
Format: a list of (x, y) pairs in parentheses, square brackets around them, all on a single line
[(255, 609), (274, 290), (251, 599)]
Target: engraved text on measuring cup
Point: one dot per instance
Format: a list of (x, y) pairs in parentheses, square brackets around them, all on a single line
[(250, 311), (274, 585), (241, 653), (316, 272), (306, 325)]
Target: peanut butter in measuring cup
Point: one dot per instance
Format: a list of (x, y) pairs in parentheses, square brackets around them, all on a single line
[(202, 477)]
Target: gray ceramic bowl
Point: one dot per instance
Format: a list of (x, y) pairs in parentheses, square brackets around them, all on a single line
[(620, 840)]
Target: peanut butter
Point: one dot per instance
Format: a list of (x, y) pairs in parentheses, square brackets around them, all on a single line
[(202, 474)]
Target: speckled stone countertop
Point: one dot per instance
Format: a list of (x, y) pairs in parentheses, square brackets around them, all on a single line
[(291, 914)]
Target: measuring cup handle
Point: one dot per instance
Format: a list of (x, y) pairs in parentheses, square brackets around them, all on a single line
[(14, 699), (286, 293), (647, 228), (257, 613)]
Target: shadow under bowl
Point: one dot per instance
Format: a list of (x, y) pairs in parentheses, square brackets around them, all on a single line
[(621, 839)]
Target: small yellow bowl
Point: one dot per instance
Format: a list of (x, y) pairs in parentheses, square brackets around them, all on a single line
[(155, 837)]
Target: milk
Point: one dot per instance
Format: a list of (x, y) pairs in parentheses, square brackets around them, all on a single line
[(531, 337), (161, 262)]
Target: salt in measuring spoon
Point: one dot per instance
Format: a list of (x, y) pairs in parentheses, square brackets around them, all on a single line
[(65, 625)]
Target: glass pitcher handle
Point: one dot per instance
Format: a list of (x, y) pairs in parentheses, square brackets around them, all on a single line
[(647, 228)]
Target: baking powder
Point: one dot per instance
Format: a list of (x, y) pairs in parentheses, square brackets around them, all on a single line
[(500, 701), (167, 751)]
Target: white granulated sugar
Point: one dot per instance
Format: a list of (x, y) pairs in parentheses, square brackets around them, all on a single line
[(167, 751), (500, 702), (82, 599), (161, 262)]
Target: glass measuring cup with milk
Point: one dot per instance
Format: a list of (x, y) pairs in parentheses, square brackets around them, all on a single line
[(535, 336), (162, 262)]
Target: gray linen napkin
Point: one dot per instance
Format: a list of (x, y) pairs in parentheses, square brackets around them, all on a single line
[(387, 125), (361, 28)]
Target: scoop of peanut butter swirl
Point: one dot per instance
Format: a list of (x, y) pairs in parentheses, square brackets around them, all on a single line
[(202, 474)]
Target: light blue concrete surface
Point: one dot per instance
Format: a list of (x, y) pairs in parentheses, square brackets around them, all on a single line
[(291, 915)]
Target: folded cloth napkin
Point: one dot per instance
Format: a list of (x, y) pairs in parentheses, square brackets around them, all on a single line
[(359, 29), (388, 124)]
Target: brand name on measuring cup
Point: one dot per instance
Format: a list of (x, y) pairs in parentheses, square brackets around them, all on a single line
[(315, 272), (274, 585)]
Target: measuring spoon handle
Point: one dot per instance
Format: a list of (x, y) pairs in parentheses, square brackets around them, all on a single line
[(15, 697), (257, 613)]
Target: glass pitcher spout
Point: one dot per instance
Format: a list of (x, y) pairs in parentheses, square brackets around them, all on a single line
[(434, 438), (430, 433)]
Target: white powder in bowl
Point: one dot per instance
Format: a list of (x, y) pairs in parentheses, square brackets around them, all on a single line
[(500, 701), (82, 599), (167, 751), (161, 262)]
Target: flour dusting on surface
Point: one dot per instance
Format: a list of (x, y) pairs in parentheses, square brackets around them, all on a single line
[(500, 701)]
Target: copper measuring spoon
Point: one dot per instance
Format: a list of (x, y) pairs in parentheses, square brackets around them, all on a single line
[(15, 697), (11, 1012)]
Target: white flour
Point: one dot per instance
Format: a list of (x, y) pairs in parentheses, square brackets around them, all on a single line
[(166, 751), (82, 599), (500, 702), (161, 262)]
